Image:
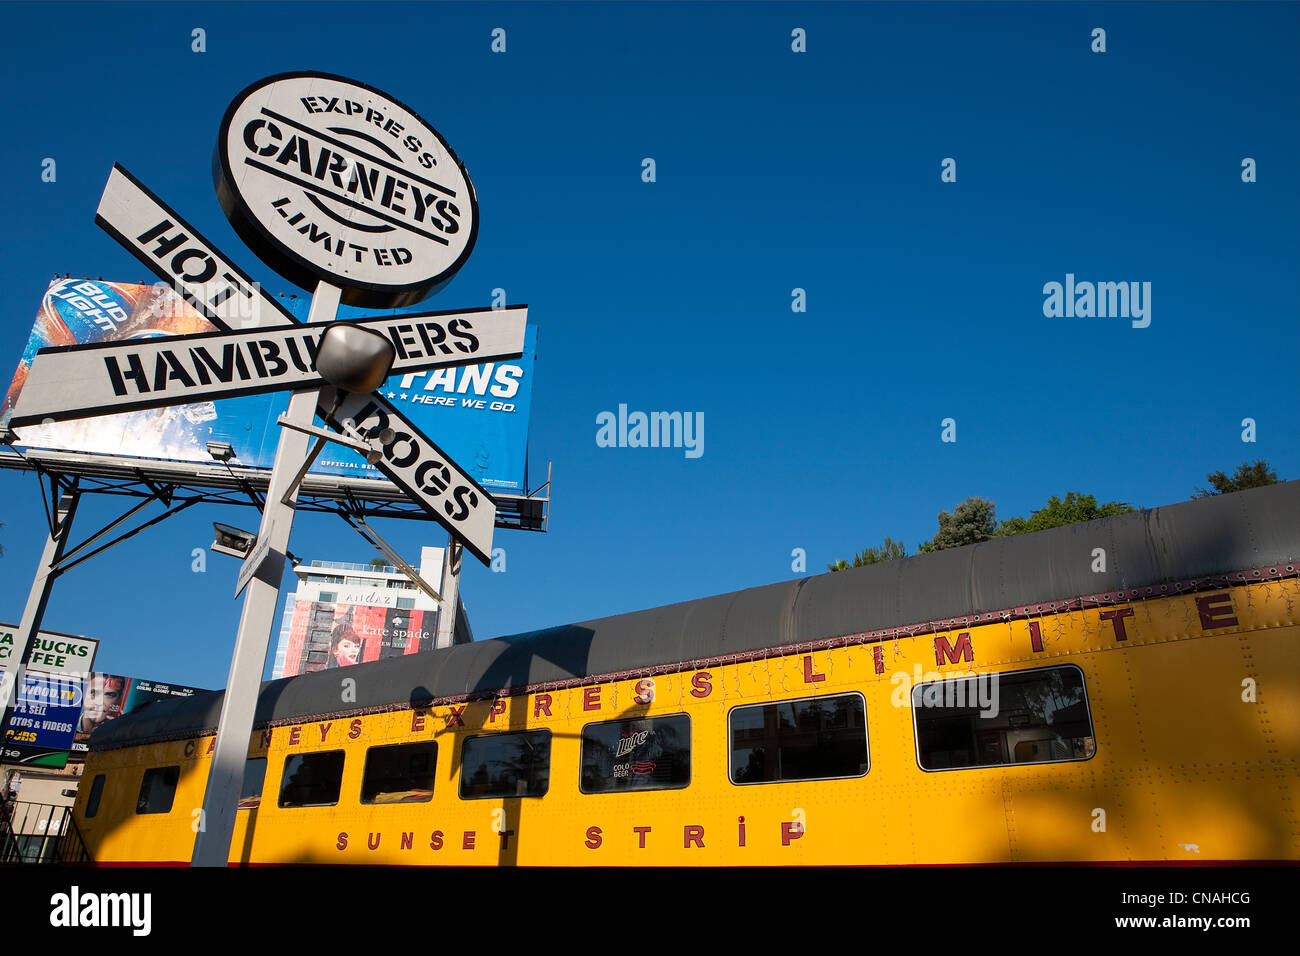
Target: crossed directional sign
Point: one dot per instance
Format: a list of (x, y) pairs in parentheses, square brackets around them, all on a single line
[(332, 182), (80, 381), (263, 348)]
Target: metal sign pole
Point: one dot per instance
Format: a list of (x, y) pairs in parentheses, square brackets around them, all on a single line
[(226, 772), (450, 594), (65, 507)]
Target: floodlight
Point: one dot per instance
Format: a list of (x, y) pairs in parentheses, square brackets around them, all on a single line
[(232, 541), (220, 451)]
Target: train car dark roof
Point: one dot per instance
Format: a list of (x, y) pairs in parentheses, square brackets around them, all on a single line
[(1194, 539)]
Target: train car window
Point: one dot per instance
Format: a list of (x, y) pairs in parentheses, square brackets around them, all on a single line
[(158, 790), (506, 765), (96, 793), (402, 773), (818, 738), (312, 780), (994, 720), (250, 791), (648, 753)]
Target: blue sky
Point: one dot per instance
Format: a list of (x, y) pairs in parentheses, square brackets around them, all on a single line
[(775, 170)]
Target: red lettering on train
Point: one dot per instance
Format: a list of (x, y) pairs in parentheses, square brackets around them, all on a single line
[(324, 729), (468, 842), (701, 684), (963, 650), (692, 833), (542, 704), (454, 714), (1035, 636), (342, 843), (878, 658), (594, 839), (641, 832), (1216, 611), (190, 747), (791, 831), (741, 821), (372, 841), (1116, 618), (808, 676), (591, 698), (644, 692), (408, 840), (505, 838), (417, 721), (435, 840), (295, 733), (212, 744), (498, 707), (354, 729)]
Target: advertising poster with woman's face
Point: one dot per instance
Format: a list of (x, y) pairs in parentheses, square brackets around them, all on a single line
[(324, 635)]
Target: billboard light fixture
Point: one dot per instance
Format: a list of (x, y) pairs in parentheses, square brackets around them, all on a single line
[(233, 541), (220, 451)]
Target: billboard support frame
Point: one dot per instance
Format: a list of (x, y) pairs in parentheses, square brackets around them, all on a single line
[(222, 484), (65, 509)]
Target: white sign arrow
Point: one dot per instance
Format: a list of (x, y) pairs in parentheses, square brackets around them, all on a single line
[(257, 556), (80, 381), (225, 295)]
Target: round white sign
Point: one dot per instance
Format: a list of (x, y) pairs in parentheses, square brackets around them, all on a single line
[(327, 179)]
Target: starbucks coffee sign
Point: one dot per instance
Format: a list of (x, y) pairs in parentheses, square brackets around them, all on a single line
[(330, 180)]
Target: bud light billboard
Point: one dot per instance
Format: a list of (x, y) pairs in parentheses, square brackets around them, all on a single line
[(478, 414)]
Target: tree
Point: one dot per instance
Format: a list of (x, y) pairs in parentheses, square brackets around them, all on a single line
[(1248, 476), (888, 551), (378, 563), (1055, 513), (972, 521)]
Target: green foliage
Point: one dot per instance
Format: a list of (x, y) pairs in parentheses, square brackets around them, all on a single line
[(1248, 476), (378, 563), (888, 551), (972, 521), (1057, 512), (975, 519)]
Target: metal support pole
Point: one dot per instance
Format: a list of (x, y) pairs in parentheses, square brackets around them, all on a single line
[(39, 595), (226, 771), (450, 594)]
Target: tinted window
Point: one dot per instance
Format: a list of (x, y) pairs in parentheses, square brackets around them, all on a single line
[(811, 739), (312, 780), (158, 790), (506, 765), (250, 792), (400, 774), (96, 792), (652, 753), (1038, 716)]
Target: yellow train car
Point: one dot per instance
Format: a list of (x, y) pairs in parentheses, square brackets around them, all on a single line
[(1122, 690)]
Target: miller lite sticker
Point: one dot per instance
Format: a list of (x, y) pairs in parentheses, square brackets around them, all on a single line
[(328, 179)]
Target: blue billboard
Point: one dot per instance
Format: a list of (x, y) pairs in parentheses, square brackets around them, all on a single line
[(44, 720), (477, 414)]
